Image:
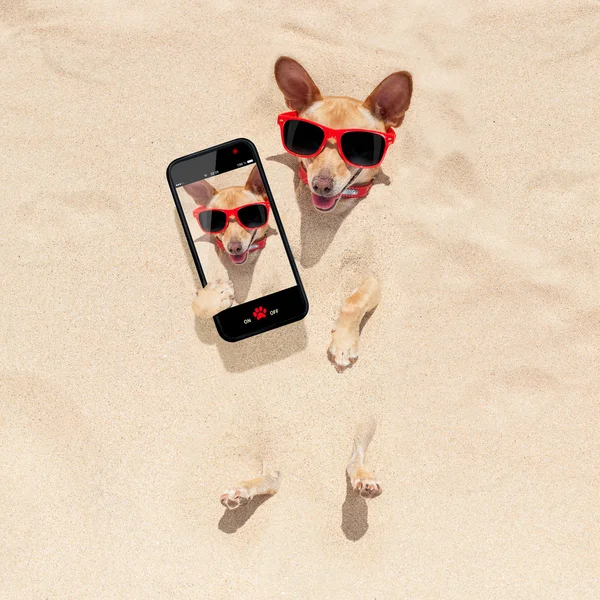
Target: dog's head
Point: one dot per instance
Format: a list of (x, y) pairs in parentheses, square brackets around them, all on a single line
[(236, 239), (328, 174)]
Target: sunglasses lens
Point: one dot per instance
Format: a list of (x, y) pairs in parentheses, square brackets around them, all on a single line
[(212, 220), (253, 216), (363, 148), (302, 138)]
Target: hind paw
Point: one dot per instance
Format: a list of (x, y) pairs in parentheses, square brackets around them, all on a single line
[(235, 497), (366, 485)]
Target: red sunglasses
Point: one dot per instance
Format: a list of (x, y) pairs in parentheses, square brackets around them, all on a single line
[(362, 148), (216, 220)]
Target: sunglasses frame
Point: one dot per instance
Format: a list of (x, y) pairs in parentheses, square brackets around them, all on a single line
[(231, 212), (389, 137)]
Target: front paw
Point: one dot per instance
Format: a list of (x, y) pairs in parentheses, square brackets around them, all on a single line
[(343, 350), (212, 299)]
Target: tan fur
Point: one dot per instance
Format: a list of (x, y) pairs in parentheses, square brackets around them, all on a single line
[(213, 298), (363, 481), (343, 350)]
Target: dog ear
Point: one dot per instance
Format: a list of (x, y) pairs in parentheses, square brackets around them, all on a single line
[(270, 231), (201, 191), (255, 183), (298, 89), (206, 237), (391, 98)]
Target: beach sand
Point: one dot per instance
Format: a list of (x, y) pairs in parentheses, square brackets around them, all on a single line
[(122, 418)]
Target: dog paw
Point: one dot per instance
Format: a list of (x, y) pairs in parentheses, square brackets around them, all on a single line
[(343, 350), (212, 299), (235, 497), (366, 485)]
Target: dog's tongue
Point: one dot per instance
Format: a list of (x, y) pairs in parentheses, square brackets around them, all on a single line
[(238, 258), (324, 203)]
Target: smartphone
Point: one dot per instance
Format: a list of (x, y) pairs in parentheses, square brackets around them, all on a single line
[(234, 232)]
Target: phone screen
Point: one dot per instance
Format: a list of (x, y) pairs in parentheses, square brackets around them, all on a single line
[(235, 233)]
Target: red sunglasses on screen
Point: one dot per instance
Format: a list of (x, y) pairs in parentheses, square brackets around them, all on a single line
[(362, 148), (216, 220)]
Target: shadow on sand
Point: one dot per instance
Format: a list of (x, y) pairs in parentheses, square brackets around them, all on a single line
[(232, 520), (237, 357), (355, 514)]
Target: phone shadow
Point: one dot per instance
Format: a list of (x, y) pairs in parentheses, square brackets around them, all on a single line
[(247, 354), (317, 229), (238, 357)]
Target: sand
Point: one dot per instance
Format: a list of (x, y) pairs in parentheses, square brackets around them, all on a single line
[(122, 418)]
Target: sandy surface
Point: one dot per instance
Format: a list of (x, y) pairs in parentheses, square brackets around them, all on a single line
[(121, 418)]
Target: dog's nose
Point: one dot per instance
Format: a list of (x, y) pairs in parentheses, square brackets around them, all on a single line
[(322, 184), (234, 247)]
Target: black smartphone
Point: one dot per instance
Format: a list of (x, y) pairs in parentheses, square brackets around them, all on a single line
[(235, 233)]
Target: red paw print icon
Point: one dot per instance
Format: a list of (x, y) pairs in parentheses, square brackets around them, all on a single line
[(260, 313)]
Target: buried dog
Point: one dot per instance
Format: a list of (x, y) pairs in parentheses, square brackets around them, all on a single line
[(236, 219), (362, 480), (341, 143)]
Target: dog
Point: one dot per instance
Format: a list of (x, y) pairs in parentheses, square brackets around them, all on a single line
[(235, 243), (332, 178), (362, 480)]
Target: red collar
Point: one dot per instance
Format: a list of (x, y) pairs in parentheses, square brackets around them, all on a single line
[(358, 191), (254, 246)]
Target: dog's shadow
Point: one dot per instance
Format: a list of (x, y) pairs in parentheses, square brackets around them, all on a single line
[(244, 355), (355, 514), (232, 520), (317, 229)]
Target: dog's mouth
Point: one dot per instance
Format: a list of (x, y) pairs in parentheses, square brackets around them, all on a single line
[(239, 259), (242, 257), (325, 203)]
